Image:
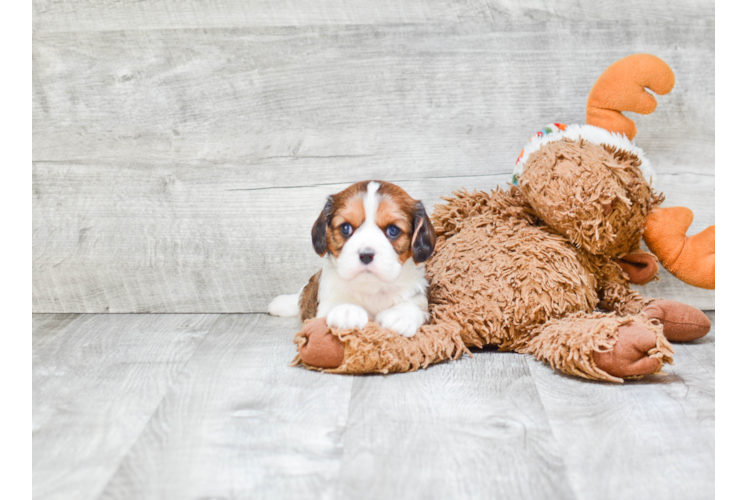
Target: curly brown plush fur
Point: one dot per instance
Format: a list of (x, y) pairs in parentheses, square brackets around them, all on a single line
[(544, 268), (376, 350), (595, 195), (500, 275), (532, 269), (513, 282)]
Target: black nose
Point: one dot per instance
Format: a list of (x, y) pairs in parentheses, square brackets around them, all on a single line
[(366, 257)]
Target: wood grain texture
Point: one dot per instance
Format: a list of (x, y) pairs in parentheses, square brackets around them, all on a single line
[(474, 428), (703, 349), (43, 323), (82, 15), (189, 240), (96, 382), (648, 439), (178, 166), (465, 97), (130, 407), (240, 423), (60, 15)]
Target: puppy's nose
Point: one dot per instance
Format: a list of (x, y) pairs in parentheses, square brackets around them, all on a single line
[(366, 256)]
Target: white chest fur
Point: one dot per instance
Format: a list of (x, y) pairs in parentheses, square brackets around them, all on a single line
[(369, 292)]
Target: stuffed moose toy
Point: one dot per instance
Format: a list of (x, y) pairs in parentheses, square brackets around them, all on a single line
[(544, 267)]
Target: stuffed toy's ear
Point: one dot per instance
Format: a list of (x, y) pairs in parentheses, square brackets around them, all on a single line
[(621, 88), (690, 258)]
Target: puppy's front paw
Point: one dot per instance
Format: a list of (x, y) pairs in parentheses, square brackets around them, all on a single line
[(405, 321), (347, 316)]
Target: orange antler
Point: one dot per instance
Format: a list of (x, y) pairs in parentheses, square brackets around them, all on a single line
[(690, 258), (621, 88)]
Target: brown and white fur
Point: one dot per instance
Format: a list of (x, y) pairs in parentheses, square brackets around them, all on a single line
[(372, 271)]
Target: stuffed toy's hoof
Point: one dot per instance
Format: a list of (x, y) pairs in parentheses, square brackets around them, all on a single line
[(629, 356), (680, 322), (374, 349), (641, 267), (322, 349)]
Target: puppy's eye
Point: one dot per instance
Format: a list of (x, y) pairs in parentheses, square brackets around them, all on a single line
[(392, 231), (346, 229)]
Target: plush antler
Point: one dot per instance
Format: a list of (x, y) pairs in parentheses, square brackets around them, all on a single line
[(690, 258), (621, 88)]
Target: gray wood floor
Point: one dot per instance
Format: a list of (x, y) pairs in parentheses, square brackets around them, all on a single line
[(199, 406)]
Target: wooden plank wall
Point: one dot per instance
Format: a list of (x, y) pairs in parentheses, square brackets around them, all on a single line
[(182, 150)]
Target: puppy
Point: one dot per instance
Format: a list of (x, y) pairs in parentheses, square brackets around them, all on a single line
[(376, 239)]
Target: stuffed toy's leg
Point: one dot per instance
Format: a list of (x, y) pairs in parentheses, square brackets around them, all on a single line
[(681, 322), (602, 346), (374, 349)]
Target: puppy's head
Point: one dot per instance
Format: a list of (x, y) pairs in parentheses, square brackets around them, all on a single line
[(373, 228)]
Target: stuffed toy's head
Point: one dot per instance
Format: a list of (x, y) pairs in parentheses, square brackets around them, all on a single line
[(590, 182), (589, 185)]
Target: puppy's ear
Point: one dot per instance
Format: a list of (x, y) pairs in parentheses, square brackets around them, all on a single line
[(319, 230), (424, 236)]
